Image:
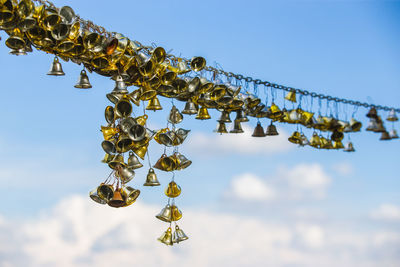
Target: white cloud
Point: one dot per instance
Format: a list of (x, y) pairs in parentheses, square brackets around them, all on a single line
[(243, 144), (78, 232), (387, 212), (250, 187), (343, 168)]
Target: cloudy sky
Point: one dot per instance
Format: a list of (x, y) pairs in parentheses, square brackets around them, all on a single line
[(245, 201)]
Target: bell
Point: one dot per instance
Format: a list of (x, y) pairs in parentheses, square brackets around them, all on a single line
[(133, 161), (306, 117), (337, 136), (147, 92), (173, 190), (203, 114), (372, 113), (372, 125), (107, 158), (291, 96), (380, 128), (117, 201), (338, 145), (315, 141), (166, 163), (126, 124), (158, 55), (176, 213), (221, 128), (123, 108), (19, 52), (218, 92), (224, 117), (154, 104), (167, 138), (385, 136), (206, 85), (137, 132), (114, 97), (124, 143), (349, 147), (83, 82), (179, 235), (241, 116), (252, 101), (135, 97), (190, 108), (67, 14), (355, 125), (182, 161), (141, 120), (95, 197), (181, 134), (168, 77), (237, 127), (258, 131), (120, 86), (166, 237), (275, 112), (140, 151), (303, 140), (393, 134), (126, 174), (271, 130), (105, 192), (109, 132), (295, 115), (324, 143), (109, 146), (130, 195), (109, 114), (193, 85), (295, 138), (165, 214), (175, 116), (392, 115), (151, 179), (16, 40), (197, 63), (56, 68), (118, 160)]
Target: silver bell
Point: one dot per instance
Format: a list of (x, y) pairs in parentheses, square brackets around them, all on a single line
[(133, 161), (392, 116), (190, 108), (237, 127), (83, 82), (175, 116), (120, 86), (393, 134), (179, 235), (56, 68), (349, 147)]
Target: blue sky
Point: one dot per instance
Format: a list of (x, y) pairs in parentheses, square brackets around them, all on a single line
[(306, 199)]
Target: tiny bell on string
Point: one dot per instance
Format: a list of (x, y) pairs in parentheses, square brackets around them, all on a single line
[(56, 68), (258, 131), (83, 82)]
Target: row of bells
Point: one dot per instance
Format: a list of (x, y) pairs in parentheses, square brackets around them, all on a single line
[(168, 238), (320, 142)]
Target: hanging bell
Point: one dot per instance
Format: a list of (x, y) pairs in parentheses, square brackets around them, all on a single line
[(140, 151), (126, 174), (258, 131), (274, 112), (385, 136), (179, 235), (130, 195), (175, 116), (372, 113), (95, 197), (295, 138), (135, 97), (56, 68), (83, 82), (175, 213), (109, 146), (105, 192), (173, 190), (303, 140), (241, 116), (372, 125), (165, 214), (224, 117), (393, 134), (392, 115), (203, 114), (141, 120), (197, 63), (118, 160), (337, 136), (237, 127), (221, 128), (349, 147), (271, 130), (120, 86), (166, 237), (190, 108), (355, 125), (126, 124), (109, 114), (181, 161), (337, 145), (151, 179), (291, 96), (109, 132), (295, 115), (117, 201), (137, 132), (167, 138), (123, 108), (154, 104), (124, 143), (181, 135), (380, 128), (107, 158), (133, 161), (315, 141)]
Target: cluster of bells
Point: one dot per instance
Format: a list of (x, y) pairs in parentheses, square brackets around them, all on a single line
[(376, 124)]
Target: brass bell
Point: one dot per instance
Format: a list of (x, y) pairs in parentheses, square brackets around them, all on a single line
[(109, 132), (355, 125), (114, 97), (51, 19), (224, 117), (372, 125), (372, 113), (95, 197), (203, 114), (315, 141), (176, 214), (117, 201), (123, 108), (158, 55), (295, 138), (392, 115), (166, 237), (109, 146), (197, 63), (124, 143), (126, 124), (303, 140), (179, 235), (165, 214), (190, 108), (151, 179), (274, 112), (306, 117), (221, 128), (133, 161), (175, 116), (385, 136), (141, 120), (140, 151), (295, 115), (137, 132), (126, 174), (193, 85), (393, 134), (337, 136), (349, 147), (118, 160), (237, 127), (130, 195), (241, 116), (291, 96), (181, 161), (338, 145), (56, 68), (147, 92), (325, 144), (83, 82), (16, 40), (166, 163), (258, 131), (105, 192), (252, 101), (67, 14), (107, 158), (135, 97), (168, 77), (154, 104), (167, 138), (173, 190), (181, 135), (271, 130), (380, 128)]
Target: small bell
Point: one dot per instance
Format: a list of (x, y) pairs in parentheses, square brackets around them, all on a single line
[(372, 113), (392, 115), (56, 68), (125, 174), (315, 141), (295, 138), (224, 117), (237, 127), (181, 135), (95, 197), (349, 147), (130, 194), (83, 82), (175, 116), (203, 114), (166, 237), (355, 125), (241, 116), (123, 108), (165, 214), (380, 127), (271, 130), (181, 161), (118, 160), (154, 104), (105, 192), (151, 179), (372, 125), (385, 136), (179, 235), (221, 128), (338, 145), (140, 151), (137, 132), (197, 63), (109, 132), (190, 108), (275, 112), (393, 134), (303, 140), (117, 201), (133, 161), (258, 131), (291, 96), (173, 190), (107, 158)]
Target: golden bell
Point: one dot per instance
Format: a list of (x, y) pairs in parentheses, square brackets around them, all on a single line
[(205, 85), (124, 143), (315, 141), (168, 78), (221, 128), (140, 151), (349, 147), (166, 163), (117, 161), (133, 161), (372, 113), (325, 144), (109, 132), (295, 138), (109, 146), (197, 63), (167, 138), (130, 195), (338, 145), (385, 136), (355, 125), (194, 85), (6, 12), (190, 108), (147, 93), (16, 40), (56, 68), (237, 127), (179, 235), (67, 14), (393, 134), (147, 68), (392, 116), (60, 32), (275, 112), (291, 96), (135, 97), (165, 214), (241, 116), (181, 161), (123, 108), (107, 158), (154, 104), (224, 117), (337, 136), (105, 192), (126, 174), (271, 130), (166, 237), (173, 190), (258, 131), (95, 197), (51, 19), (203, 114), (151, 179), (181, 134), (252, 101), (175, 116), (306, 117), (137, 132), (380, 128), (176, 214), (217, 92), (303, 140), (117, 201), (141, 120), (83, 82)]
